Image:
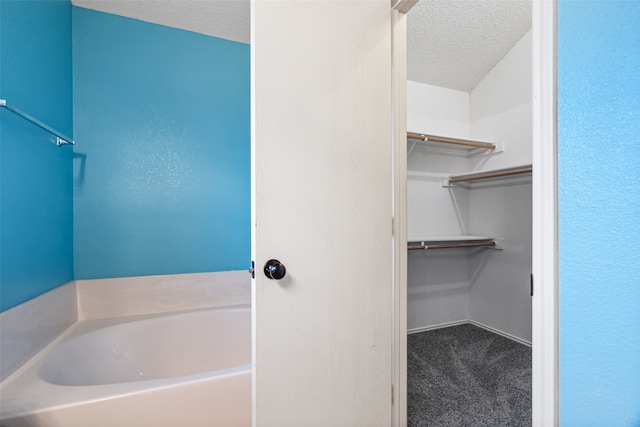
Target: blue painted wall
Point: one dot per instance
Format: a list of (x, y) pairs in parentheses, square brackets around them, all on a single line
[(36, 210), (599, 166), (162, 172)]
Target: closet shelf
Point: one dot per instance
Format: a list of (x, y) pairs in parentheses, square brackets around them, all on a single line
[(445, 143), (487, 175), (452, 242)]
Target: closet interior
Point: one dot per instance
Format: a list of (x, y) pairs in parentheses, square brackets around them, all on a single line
[(469, 172)]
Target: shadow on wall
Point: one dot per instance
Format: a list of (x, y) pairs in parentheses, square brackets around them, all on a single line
[(79, 167)]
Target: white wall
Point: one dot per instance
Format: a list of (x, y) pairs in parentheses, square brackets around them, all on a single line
[(499, 292), (438, 282), (431, 211), (438, 288), (437, 110), (487, 286), (500, 110)]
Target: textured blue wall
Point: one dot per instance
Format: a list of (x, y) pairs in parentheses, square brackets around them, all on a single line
[(36, 210), (599, 160), (162, 172)]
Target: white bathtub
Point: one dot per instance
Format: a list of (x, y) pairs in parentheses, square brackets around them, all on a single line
[(188, 369)]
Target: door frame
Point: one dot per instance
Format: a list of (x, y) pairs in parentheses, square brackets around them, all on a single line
[(545, 323), (399, 100)]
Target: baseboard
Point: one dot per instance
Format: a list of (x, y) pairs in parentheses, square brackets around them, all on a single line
[(438, 326), (472, 322), (499, 332)]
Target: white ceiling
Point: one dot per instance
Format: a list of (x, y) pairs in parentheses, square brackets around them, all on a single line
[(451, 43), (455, 43), (227, 19)]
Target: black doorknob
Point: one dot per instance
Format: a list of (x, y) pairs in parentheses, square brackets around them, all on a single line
[(274, 269)]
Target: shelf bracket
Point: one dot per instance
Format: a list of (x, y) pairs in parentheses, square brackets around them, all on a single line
[(499, 245), (412, 147)]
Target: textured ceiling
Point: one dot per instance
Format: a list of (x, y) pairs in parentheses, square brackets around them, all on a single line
[(227, 19), (454, 43), (451, 43)]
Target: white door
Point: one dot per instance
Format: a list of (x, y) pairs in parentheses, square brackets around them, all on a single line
[(322, 206)]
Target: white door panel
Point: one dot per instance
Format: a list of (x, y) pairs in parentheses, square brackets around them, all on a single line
[(322, 144)]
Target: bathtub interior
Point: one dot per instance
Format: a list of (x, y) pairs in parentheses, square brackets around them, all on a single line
[(60, 377), (162, 347)]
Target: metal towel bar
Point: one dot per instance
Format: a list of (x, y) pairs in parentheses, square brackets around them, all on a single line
[(61, 139)]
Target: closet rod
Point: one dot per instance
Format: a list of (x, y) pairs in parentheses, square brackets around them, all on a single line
[(491, 175), (454, 245), (61, 139), (455, 141)]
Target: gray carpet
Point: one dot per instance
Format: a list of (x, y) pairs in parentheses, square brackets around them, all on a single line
[(467, 376)]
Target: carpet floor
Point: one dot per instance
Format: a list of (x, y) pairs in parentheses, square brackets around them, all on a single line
[(467, 376)]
